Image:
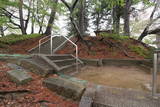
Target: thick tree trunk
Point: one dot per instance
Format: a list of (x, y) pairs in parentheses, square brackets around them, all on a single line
[(82, 17), (127, 17), (23, 30), (51, 20)]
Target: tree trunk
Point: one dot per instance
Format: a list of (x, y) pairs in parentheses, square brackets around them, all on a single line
[(116, 19), (21, 17), (127, 17), (82, 17), (1, 31), (51, 20), (143, 34)]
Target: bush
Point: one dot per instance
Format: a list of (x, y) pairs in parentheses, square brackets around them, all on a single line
[(142, 51), (114, 36), (11, 39)]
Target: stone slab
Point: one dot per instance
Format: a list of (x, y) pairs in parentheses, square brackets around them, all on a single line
[(65, 87), (19, 77)]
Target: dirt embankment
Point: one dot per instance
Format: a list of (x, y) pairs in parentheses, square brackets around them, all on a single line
[(108, 47)]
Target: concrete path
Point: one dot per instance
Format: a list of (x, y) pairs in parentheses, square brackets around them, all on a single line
[(103, 96)]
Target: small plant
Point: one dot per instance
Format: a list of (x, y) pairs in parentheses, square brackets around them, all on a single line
[(92, 53)]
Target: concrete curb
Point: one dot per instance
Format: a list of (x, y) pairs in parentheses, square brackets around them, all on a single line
[(117, 62)]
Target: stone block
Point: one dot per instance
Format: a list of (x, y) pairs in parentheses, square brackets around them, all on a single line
[(19, 77), (65, 87)]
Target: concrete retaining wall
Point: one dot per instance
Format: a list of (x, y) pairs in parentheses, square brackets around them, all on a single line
[(118, 62)]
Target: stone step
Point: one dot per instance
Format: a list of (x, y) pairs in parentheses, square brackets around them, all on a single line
[(37, 66), (65, 87), (62, 60), (60, 65), (59, 57), (70, 68), (65, 62)]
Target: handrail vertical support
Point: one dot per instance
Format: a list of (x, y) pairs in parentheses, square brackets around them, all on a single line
[(51, 45), (154, 79)]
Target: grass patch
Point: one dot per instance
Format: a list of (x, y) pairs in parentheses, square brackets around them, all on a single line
[(11, 39), (141, 50), (114, 36)]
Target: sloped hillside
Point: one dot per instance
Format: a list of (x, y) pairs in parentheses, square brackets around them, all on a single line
[(110, 46)]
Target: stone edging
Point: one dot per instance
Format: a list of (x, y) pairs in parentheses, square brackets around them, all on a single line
[(118, 62)]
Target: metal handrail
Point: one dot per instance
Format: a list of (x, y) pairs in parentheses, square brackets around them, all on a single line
[(39, 45), (61, 45)]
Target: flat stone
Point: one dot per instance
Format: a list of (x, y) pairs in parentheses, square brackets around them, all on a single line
[(65, 87), (19, 77)]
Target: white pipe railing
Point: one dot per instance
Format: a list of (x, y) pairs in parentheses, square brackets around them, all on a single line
[(40, 42), (62, 45)]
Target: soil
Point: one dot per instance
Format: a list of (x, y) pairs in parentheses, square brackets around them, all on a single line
[(99, 49), (132, 77), (38, 95), (22, 47)]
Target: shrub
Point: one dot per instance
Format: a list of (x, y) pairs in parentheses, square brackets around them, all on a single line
[(114, 36), (11, 39), (141, 50)]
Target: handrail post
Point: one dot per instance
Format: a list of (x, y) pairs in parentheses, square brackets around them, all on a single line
[(154, 79), (76, 52), (39, 45), (51, 44)]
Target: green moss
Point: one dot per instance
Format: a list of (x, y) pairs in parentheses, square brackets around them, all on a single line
[(2, 45), (114, 36), (141, 50), (11, 39), (92, 53)]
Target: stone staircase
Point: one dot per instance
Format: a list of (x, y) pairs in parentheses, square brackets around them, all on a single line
[(45, 46), (44, 64)]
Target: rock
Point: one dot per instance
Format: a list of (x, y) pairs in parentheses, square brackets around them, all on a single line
[(65, 87), (19, 77)]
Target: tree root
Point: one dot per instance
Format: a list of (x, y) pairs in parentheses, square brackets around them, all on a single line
[(45, 101), (111, 44), (14, 91)]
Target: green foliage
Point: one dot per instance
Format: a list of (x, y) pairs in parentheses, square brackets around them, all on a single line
[(114, 36), (11, 39), (2, 45), (92, 53), (141, 50)]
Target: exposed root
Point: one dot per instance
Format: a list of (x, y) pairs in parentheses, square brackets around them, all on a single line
[(111, 44), (14, 91)]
